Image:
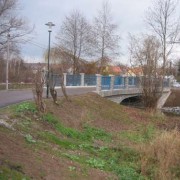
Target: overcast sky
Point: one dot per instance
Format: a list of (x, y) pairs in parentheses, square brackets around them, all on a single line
[(127, 14)]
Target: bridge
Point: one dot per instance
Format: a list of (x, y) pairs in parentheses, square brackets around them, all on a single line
[(119, 88), (114, 88)]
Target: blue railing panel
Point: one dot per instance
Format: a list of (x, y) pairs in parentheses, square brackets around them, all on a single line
[(73, 80), (90, 80), (105, 82), (119, 82), (55, 79)]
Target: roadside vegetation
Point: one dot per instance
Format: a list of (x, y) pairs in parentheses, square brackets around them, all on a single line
[(87, 138)]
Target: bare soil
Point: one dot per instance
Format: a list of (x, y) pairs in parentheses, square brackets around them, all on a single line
[(88, 109), (15, 153)]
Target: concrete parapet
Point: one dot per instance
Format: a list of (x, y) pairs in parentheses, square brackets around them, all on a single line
[(82, 79), (65, 78), (98, 84)]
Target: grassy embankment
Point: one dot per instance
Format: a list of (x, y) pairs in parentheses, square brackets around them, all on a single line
[(16, 86), (88, 138)]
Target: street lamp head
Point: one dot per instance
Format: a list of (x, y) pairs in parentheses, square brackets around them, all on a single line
[(50, 25)]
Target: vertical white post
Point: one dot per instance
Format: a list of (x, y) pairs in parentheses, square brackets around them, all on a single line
[(65, 79), (98, 83), (126, 82), (82, 79), (112, 82)]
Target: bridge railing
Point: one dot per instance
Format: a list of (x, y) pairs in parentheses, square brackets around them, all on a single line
[(116, 82), (124, 82), (110, 82), (73, 80), (119, 82)]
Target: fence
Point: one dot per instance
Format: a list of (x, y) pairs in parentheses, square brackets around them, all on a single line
[(73, 80), (101, 82), (118, 82)]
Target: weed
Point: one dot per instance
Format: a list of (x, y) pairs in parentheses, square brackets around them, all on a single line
[(25, 107), (10, 173), (139, 136), (72, 168), (30, 139), (54, 139), (96, 163), (128, 173), (50, 118), (88, 133), (71, 156), (95, 133), (161, 157)]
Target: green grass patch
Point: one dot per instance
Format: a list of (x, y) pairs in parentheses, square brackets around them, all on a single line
[(88, 133), (140, 135), (30, 139), (12, 172), (49, 137), (25, 107)]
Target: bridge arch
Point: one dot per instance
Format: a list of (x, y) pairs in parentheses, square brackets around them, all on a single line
[(135, 100)]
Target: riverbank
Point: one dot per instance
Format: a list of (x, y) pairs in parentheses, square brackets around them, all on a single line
[(172, 105), (174, 98)]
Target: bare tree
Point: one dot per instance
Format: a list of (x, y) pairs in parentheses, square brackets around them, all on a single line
[(146, 53), (39, 81), (61, 62), (161, 18), (74, 37), (106, 41), (10, 22)]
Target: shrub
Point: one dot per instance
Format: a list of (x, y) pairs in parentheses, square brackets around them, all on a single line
[(161, 157)]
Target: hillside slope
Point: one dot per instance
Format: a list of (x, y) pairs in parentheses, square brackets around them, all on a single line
[(86, 138)]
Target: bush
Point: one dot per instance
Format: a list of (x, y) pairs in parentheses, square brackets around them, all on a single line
[(161, 157)]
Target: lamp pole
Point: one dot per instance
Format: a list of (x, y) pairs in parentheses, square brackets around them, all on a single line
[(50, 25), (7, 63)]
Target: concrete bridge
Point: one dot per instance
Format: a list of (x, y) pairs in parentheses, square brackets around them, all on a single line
[(125, 87), (115, 88)]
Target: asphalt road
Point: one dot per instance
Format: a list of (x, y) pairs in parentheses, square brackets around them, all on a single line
[(16, 96)]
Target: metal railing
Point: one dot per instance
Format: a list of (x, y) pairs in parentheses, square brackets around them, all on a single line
[(119, 82), (90, 80), (106, 82)]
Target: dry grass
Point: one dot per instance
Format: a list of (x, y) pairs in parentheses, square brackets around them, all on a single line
[(161, 157)]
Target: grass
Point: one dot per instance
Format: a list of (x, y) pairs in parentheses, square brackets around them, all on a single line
[(138, 151), (111, 159), (16, 86), (140, 135), (161, 157), (26, 107), (88, 133), (12, 171)]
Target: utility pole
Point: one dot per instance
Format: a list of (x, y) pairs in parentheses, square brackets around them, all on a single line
[(7, 63)]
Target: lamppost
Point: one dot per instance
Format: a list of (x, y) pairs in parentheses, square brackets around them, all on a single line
[(50, 25), (7, 63)]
